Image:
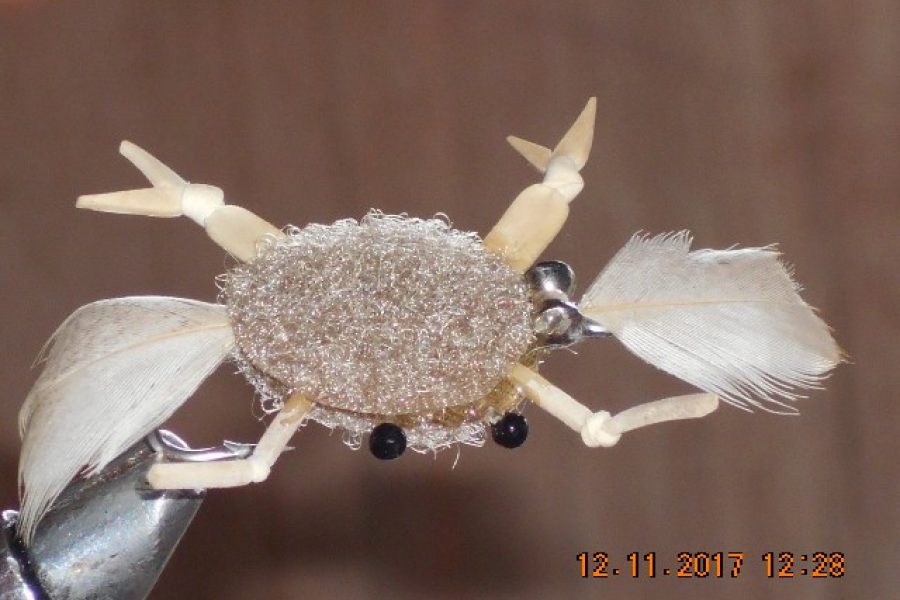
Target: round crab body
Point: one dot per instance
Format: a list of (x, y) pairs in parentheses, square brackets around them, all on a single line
[(386, 319)]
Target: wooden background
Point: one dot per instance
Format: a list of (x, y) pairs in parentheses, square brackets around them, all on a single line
[(745, 122)]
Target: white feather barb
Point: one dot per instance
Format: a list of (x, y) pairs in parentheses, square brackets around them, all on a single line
[(114, 371), (730, 322)]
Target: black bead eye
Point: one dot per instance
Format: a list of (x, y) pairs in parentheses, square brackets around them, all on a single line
[(387, 441), (511, 430)]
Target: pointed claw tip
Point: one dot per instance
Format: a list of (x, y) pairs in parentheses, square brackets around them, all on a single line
[(516, 142), (588, 113), (125, 147), (590, 109), (131, 151), (535, 154), (576, 143)]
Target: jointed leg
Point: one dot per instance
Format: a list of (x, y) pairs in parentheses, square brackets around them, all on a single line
[(535, 217), (235, 229), (234, 473), (601, 428)]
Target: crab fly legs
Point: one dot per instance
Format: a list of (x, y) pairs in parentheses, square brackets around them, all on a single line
[(237, 231), (539, 212), (524, 231), (236, 472)]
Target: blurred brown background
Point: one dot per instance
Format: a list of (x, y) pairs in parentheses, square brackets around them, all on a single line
[(746, 122)]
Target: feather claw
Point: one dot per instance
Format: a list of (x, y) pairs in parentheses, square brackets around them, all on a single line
[(114, 370), (729, 322)]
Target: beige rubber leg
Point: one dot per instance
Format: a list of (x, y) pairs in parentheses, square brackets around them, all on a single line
[(537, 215), (600, 428), (235, 229), (235, 473)]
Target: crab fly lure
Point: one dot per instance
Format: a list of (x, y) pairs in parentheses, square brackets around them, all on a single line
[(407, 331)]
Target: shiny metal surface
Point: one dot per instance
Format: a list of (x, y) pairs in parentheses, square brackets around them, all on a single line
[(107, 537), (17, 582), (176, 449), (560, 323), (557, 324), (592, 329), (551, 279)]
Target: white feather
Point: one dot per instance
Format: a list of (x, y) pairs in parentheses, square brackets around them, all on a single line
[(115, 370), (730, 322)]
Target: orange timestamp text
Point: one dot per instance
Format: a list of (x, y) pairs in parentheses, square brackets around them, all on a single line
[(715, 565)]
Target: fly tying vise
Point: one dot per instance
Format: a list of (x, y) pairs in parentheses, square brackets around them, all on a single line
[(407, 331)]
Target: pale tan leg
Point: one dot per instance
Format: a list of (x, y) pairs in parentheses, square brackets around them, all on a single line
[(537, 215), (234, 473), (235, 229), (600, 428)]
